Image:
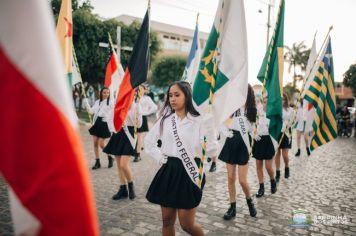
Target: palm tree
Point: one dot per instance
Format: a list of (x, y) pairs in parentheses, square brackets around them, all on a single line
[(297, 56)]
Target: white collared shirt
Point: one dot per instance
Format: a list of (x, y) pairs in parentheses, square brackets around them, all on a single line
[(287, 117), (191, 131), (263, 123), (300, 115), (147, 105), (101, 109)]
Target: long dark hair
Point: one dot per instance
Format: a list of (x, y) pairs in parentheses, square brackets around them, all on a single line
[(167, 110), (101, 96), (285, 101), (250, 105)]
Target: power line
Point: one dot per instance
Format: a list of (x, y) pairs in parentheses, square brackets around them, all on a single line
[(170, 4)]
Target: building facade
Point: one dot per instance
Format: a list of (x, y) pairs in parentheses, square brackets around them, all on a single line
[(175, 40)]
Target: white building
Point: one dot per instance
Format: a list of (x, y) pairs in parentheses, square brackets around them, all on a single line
[(175, 40)]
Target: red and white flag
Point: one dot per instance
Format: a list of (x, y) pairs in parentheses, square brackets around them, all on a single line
[(113, 74), (41, 156)]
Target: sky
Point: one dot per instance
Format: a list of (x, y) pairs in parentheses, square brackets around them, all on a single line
[(302, 19)]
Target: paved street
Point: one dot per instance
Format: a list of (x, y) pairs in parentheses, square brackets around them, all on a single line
[(323, 185)]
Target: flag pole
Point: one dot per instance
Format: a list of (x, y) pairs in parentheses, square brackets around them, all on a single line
[(139, 94), (265, 80), (81, 82), (303, 86), (140, 89), (112, 49), (211, 94)]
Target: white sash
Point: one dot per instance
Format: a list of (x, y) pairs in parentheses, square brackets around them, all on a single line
[(129, 136), (96, 115), (185, 154), (242, 123)]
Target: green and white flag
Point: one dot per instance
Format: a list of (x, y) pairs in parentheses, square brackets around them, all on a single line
[(223, 70), (271, 74)]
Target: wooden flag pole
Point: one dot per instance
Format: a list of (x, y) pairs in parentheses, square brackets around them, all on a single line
[(211, 95), (81, 82)]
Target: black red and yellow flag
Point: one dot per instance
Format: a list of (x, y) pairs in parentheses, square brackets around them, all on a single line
[(135, 74)]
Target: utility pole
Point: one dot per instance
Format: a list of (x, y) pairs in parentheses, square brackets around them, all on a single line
[(117, 45), (270, 4), (118, 40), (268, 22)]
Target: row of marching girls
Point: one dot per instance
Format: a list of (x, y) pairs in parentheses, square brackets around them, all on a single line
[(264, 149), (236, 151), (121, 144), (175, 142)]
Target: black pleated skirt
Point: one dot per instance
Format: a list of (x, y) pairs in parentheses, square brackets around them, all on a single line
[(234, 150), (100, 129), (172, 187), (286, 142), (144, 126), (119, 144), (263, 149)]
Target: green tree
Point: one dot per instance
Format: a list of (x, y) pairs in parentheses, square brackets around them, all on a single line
[(56, 6), (350, 78), (88, 32), (167, 70), (297, 56)]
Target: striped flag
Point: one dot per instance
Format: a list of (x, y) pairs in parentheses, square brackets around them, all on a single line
[(271, 74), (223, 74), (308, 109), (135, 74), (41, 158), (322, 95), (65, 36), (192, 67)]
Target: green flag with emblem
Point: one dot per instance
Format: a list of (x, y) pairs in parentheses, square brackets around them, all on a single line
[(221, 84), (271, 75)]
